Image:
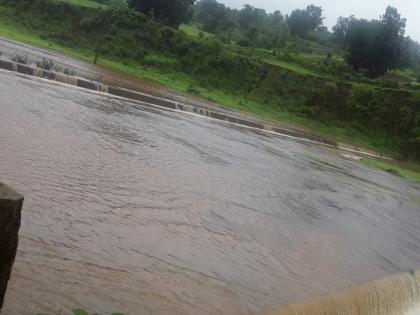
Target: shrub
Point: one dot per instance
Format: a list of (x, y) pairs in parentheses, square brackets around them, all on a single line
[(391, 84), (347, 77), (244, 42), (286, 56)]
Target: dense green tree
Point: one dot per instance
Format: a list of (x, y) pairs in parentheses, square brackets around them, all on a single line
[(301, 22), (214, 16), (249, 26), (341, 29), (276, 18), (374, 45), (410, 54), (250, 17), (392, 37), (99, 27), (171, 12), (361, 39)]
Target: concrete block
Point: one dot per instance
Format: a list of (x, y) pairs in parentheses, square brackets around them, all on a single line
[(6, 65), (86, 84), (24, 69), (10, 214)]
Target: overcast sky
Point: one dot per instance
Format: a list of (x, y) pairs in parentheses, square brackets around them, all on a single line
[(368, 9)]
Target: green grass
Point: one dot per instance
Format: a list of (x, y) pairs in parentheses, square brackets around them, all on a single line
[(194, 31), (11, 30), (268, 57), (86, 3), (402, 170), (177, 81), (292, 67), (406, 74)]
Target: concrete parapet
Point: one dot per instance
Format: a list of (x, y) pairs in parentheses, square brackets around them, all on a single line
[(10, 213)]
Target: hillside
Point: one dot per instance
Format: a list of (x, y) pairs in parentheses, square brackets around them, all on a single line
[(305, 82)]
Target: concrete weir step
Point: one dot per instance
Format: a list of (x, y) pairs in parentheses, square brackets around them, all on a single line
[(157, 101)]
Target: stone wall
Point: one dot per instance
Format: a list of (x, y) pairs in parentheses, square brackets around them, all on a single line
[(10, 212)]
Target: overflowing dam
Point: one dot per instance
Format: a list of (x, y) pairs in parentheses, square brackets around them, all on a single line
[(146, 211)]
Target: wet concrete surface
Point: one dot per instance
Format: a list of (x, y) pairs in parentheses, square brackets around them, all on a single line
[(152, 212)]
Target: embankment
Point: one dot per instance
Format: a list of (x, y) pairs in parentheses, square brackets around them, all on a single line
[(150, 100), (396, 295), (10, 212)]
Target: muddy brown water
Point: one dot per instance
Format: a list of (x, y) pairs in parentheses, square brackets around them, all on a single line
[(112, 77), (154, 212)]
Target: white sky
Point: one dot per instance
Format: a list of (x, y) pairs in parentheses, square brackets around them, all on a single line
[(368, 9)]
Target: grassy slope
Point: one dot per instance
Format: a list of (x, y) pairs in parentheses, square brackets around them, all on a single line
[(194, 31), (183, 83), (85, 3), (407, 171), (11, 30)]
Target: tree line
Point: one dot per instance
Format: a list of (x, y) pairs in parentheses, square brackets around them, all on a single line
[(370, 46), (377, 45)]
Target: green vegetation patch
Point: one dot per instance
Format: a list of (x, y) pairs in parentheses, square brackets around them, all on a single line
[(400, 170), (86, 3), (194, 31)]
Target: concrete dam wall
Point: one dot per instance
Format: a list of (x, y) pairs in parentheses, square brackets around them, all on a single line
[(395, 295), (10, 213)]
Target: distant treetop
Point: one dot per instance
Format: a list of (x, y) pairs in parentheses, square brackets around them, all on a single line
[(171, 12)]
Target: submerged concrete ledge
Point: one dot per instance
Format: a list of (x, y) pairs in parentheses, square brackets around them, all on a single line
[(395, 295), (10, 213), (166, 103)]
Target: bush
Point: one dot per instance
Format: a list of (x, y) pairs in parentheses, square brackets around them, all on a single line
[(347, 77), (286, 56), (327, 100), (391, 84), (244, 42)]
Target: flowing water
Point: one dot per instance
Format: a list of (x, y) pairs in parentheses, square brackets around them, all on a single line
[(155, 212)]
